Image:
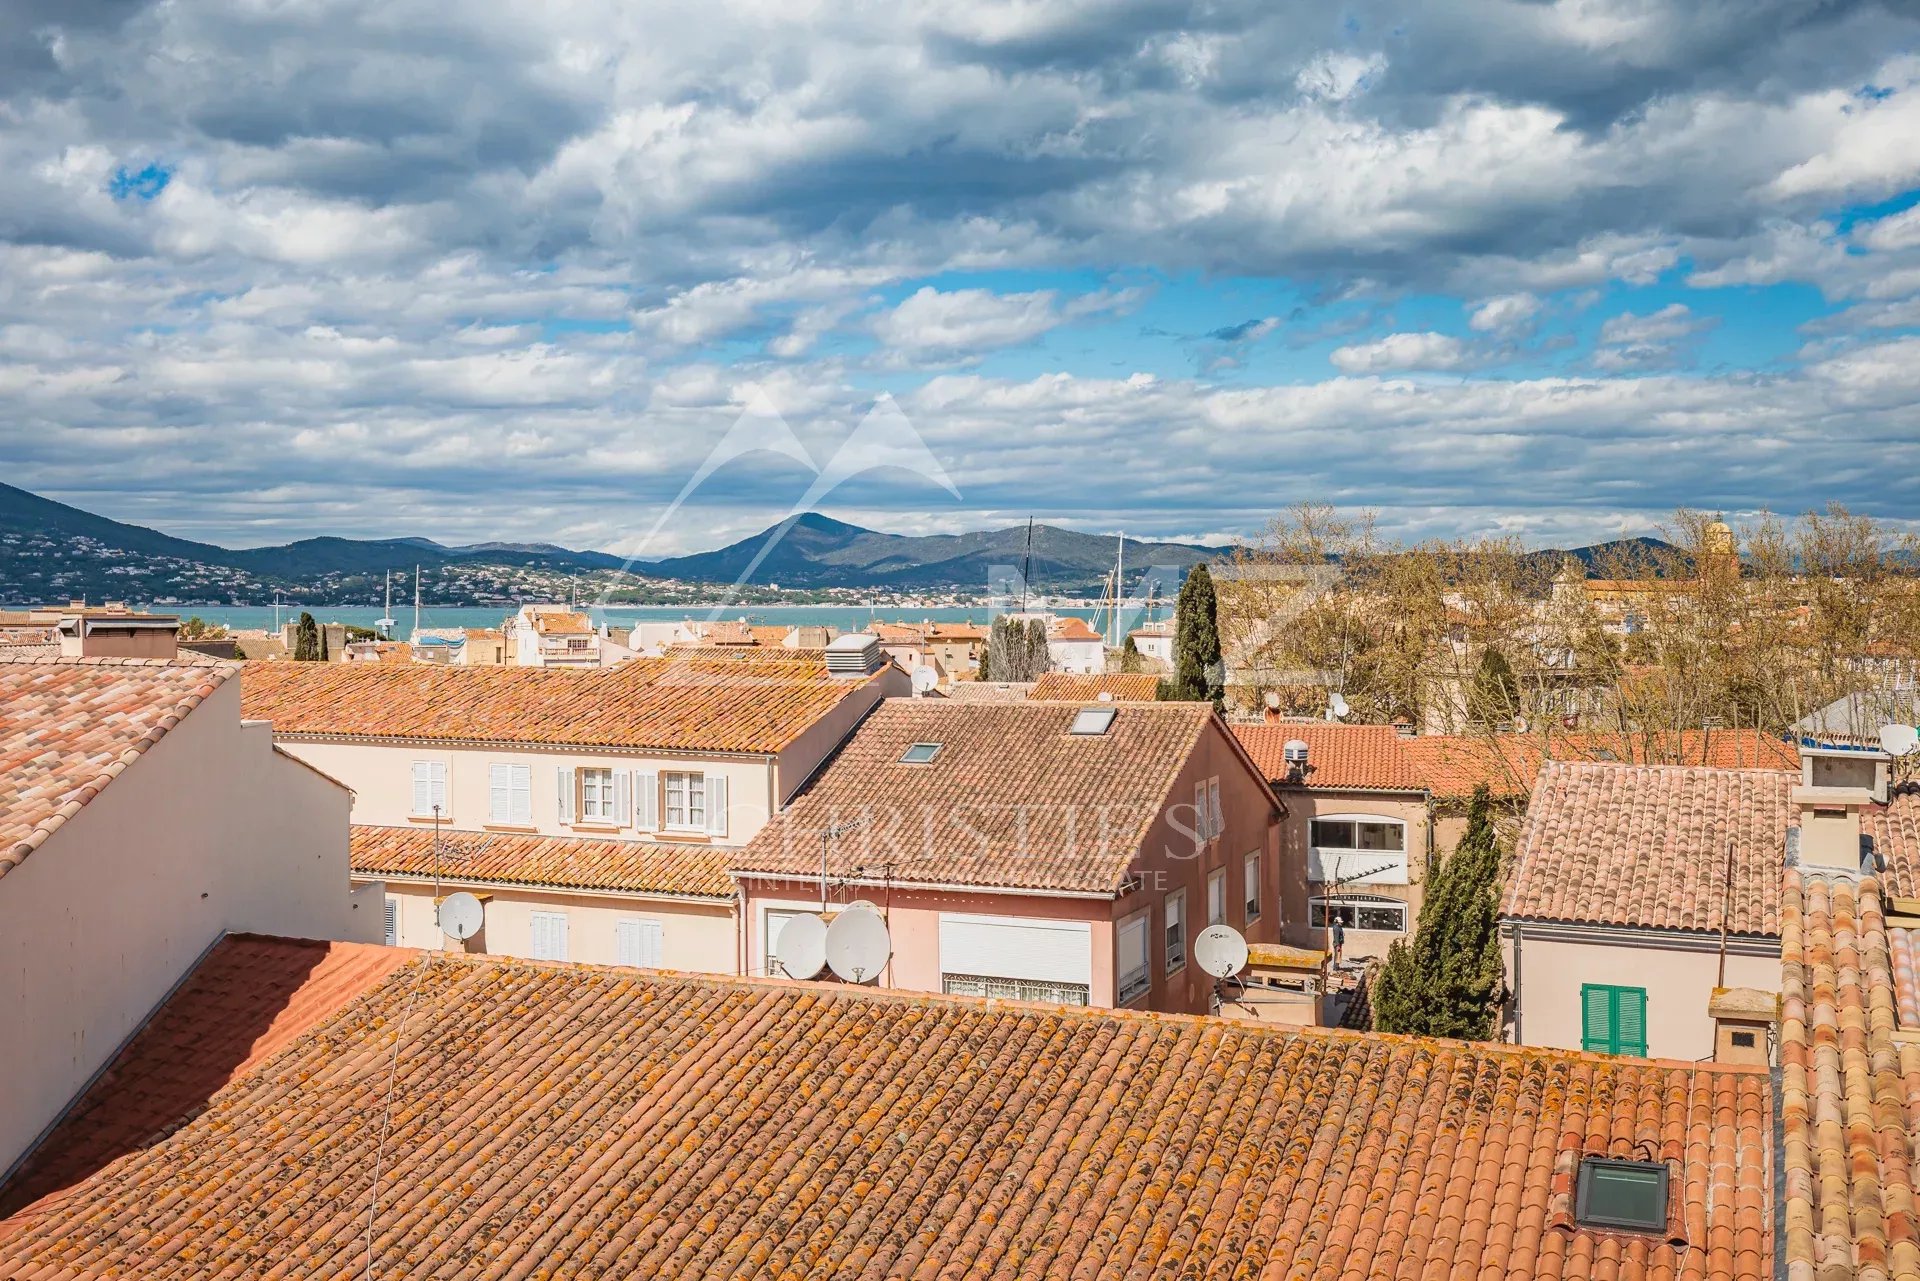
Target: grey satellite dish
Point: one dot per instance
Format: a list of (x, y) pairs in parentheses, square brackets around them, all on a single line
[(1898, 740), (1337, 705), (461, 916), (802, 950), (924, 679), (1220, 951), (858, 945)]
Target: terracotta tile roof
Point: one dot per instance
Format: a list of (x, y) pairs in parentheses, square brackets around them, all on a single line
[(70, 726), (681, 1126), (684, 702), (1345, 757), (1895, 830), (511, 858), (771, 634), (247, 999), (1451, 766), (1850, 1087), (727, 632), (1646, 846), (1071, 688), (1012, 799), (557, 622), (956, 632), (1071, 629), (966, 689)]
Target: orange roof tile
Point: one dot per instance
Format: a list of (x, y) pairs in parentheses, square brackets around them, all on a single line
[(1895, 829), (70, 726), (1850, 1088), (1070, 687), (247, 999), (509, 858), (1646, 846), (579, 1121), (1343, 757), (558, 622), (1012, 799), (1071, 629), (1451, 766), (683, 702)]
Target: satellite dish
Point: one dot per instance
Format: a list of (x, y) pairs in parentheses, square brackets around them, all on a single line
[(802, 950), (460, 916), (924, 679), (1220, 951), (858, 945), (1898, 740), (1337, 705)]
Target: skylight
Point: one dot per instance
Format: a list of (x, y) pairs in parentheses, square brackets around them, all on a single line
[(1622, 1195), (920, 753), (1091, 720)]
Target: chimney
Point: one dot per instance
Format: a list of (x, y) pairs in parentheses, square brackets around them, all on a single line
[(1836, 785), (854, 655), (1294, 754), (1743, 1022)]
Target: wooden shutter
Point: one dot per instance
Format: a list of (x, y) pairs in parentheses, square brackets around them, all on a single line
[(500, 793), (422, 787), (1596, 1018), (523, 794), (622, 798), (646, 800), (1630, 1021), (716, 805), (565, 778)]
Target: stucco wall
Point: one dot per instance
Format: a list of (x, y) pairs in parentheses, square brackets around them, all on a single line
[(207, 832), (1678, 979), (801, 758), (1303, 806), (694, 936)]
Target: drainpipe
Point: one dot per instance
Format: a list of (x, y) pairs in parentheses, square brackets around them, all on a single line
[(1513, 994)]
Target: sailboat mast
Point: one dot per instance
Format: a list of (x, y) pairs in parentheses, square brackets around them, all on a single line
[(416, 602), (1026, 566), (1119, 582)]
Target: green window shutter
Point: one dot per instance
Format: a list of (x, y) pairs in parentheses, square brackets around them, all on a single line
[(1630, 1021), (1596, 1018)]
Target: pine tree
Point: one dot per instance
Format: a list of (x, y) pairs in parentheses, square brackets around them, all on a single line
[(1449, 979), (1197, 674), (306, 639)]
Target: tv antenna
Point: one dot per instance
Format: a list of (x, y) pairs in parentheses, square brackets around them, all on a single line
[(1219, 950), (801, 952), (858, 945), (461, 915)]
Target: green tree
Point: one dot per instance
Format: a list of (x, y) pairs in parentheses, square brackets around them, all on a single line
[(1448, 979), (306, 639), (1197, 674), (1130, 659), (1496, 691), (1038, 661)]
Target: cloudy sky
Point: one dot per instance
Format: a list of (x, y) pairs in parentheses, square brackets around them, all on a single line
[(490, 270)]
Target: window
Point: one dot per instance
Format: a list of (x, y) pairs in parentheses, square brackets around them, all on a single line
[(429, 788), (637, 941), (920, 754), (1358, 912), (1176, 930), (510, 794), (1217, 897), (549, 935), (596, 796), (1251, 886), (1091, 720), (1131, 965), (686, 807), (1357, 849), (1359, 834), (576, 643), (1743, 1040), (1014, 989), (1622, 1194), (1216, 816), (1613, 1020), (393, 922)]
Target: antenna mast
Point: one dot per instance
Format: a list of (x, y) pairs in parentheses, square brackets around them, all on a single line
[(416, 602), (1119, 585), (1026, 566)]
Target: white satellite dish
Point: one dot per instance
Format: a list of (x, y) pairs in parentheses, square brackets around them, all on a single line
[(1220, 951), (802, 950), (1336, 705), (858, 945), (924, 679), (460, 916), (1898, 740)]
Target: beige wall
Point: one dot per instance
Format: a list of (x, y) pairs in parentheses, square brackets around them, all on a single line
[(1678, 974), (695, 936), (801, 758), (209, 831), (1303, 806)]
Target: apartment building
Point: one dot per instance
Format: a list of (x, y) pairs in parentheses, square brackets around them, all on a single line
[(587, 804), (551, 636), (1042, 850), (140, 821)]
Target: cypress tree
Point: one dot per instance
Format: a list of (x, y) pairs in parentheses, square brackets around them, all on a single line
[(1130, 659), (306, 639), (1197, 674), (1038, 660), (1448, 979), (1496, 691)]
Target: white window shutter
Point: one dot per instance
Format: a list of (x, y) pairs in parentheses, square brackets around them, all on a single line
[(1213, 802), (646, 800), (422, 787), (565, 777), (1200, 815), (653, 937), (716, 805), (500, 793), (560, 936), (626, 942), (638, 942), (523, 794), (438, 777), (622, 798), (393, 923)]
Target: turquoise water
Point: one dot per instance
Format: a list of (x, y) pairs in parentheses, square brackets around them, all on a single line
[(844, 617)]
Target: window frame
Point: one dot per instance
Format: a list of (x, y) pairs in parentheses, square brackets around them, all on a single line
[(932, 753), (1613, 1043), (1173, 915), (1325, 862), (1131, 984), (1586, 1216), (604, 811), (1047, 990), (690, 781), (1217, 890), (1320, 902), (1251, 887)]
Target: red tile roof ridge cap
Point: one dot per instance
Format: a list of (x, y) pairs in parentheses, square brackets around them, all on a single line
[(309, 766), (1562, 764), (902, 996), (225, 666)]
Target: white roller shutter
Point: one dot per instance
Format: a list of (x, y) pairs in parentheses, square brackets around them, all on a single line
[(1012, 947)]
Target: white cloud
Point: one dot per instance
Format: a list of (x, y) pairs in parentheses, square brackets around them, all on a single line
[(932, 323), (1506, 315), (1630, 341), (1402, 351)]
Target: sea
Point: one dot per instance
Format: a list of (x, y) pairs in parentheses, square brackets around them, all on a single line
[(846, 618)]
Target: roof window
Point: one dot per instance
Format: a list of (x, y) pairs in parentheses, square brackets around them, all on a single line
[(1091, 720), (920, 754), (1622, 1195)]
